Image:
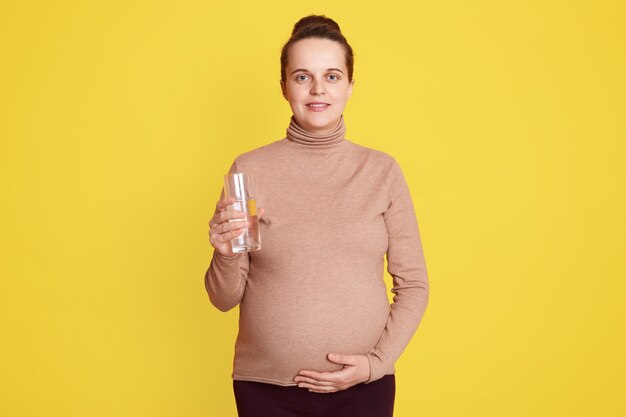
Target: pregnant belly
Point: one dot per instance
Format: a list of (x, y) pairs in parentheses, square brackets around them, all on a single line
[(278, 338)]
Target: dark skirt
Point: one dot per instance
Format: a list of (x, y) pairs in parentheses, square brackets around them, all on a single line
[(257, 399)]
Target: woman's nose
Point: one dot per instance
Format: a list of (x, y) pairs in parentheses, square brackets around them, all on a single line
[(317, 88)]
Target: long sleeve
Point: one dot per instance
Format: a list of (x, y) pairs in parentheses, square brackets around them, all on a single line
[(225, 279), (406, 265)]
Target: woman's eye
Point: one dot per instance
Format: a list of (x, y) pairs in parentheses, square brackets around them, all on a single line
[(301, 78), (333, 77)]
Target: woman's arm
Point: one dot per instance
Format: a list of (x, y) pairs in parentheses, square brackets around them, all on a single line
[(225, 279), (406, 265)]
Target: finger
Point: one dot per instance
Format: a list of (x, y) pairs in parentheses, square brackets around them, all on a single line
[(230, 226), (228, 236), (226, 215), (306, 379), (261, 211), (343, 359), (227, 227), (225, 237), (222, 204), (315, 388), (323, 392), (321, 376)]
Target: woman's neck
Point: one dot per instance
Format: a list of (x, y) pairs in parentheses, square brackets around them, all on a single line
[(296, 133)]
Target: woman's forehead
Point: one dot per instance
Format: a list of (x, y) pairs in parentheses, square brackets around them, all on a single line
[(316, 54)]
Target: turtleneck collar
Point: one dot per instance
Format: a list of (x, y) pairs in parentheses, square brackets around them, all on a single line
[(296, 133)]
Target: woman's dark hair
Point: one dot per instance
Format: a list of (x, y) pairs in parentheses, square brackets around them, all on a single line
[(321, 27)]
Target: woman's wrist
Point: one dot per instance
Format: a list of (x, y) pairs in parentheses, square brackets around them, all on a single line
[(226, 257)]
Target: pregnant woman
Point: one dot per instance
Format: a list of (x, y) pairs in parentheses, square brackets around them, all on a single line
[(317, 336)]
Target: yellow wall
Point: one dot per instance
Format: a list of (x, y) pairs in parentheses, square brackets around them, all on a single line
[(118, 119)]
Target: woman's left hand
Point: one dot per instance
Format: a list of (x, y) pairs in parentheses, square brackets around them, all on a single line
[(356, 369)]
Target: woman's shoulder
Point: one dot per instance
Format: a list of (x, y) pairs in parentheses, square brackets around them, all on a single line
[(260, 154), (373, 155)]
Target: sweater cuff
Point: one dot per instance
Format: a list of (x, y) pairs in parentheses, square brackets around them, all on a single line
[(226, 259), (377, 369)]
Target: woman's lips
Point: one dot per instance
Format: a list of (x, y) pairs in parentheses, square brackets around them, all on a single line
[(317, 107)]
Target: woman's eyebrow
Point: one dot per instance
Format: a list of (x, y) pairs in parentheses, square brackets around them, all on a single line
[(305, 70)]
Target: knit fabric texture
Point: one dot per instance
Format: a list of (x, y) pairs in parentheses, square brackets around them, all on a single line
[(333, 210)]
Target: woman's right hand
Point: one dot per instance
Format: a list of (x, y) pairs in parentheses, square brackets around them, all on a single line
[(221, 231)]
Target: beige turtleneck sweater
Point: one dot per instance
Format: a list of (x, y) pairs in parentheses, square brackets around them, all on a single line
[(333, 209)]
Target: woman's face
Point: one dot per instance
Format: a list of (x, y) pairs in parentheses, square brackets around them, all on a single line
[(316, 83)]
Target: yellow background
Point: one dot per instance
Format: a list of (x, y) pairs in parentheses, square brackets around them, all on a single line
[(119, 118)]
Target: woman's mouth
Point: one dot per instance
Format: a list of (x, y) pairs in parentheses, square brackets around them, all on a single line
[(318, 106)]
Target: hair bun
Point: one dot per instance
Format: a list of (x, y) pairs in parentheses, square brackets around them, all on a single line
[(318, 23)]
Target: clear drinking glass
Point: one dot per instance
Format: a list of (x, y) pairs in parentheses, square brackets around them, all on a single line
[(238, 185)]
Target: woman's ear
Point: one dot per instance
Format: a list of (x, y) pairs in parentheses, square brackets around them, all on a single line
[(282, 88), (350, 88)]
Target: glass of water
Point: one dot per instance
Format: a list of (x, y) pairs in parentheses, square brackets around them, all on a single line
[(238, 185)]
